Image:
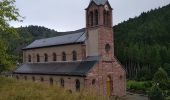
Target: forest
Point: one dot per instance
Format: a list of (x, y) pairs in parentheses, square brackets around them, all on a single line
[(142, 44)]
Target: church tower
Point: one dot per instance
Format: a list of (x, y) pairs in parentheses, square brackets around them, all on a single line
[(110, 74), (99, 30)]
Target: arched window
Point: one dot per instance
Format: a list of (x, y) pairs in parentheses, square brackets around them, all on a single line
[(108, 18), (25, 77), (42, 79), (51, 81), (29, 58), (77, 85), (45, 57), (74, 55), (88, 19), (63, 56), (84, 53), (105, 17), (91, 18), (38, 58), (93, 82), (33, 78), (54, 57), (107, 48), (62, 82), (96, 17)]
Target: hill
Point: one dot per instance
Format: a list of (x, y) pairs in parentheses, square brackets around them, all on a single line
[(143, 43)]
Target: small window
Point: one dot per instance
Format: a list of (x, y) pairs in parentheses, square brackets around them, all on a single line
[(29, 58), (74, 55), (54, 57), (38, 58), (96, 17), (42, 79), (45, 57), (93, 82), (108, 18), (105, 17), (107, 48), (91, 17), (62, 82), (63, 56), (25, 77), (51, 81), (77, 85), (33, 78)]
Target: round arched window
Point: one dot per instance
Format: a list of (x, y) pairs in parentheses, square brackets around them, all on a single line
[(107, 48), (93, 82)]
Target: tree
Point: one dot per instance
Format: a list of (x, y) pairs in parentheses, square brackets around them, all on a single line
[(161, 78), (157, 91), (8, 12)]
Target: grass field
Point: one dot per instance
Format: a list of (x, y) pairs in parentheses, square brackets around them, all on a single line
[(11, 89)]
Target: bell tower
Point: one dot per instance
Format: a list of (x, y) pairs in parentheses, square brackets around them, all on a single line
[(100, 42), (99, 30)]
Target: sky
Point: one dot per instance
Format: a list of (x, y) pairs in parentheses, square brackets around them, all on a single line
[(69, 15)]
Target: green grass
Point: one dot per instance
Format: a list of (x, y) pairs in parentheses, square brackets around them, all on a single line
[(136, 85), (11, 89)]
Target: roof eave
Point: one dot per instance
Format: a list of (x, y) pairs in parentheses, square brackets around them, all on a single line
[(80, 75), (53, 45)]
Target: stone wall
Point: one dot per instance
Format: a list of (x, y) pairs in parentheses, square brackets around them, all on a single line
[(105, 73), (69, 81)]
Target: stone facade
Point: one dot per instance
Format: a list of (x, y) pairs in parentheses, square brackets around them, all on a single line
[(69, 81), (58, 50), (107, 76)]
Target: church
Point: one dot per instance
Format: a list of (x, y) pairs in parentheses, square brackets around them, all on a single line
[(80, 60)]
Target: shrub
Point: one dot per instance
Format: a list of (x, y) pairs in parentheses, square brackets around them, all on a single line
[(138, 85), (161, 78), (156, 93)]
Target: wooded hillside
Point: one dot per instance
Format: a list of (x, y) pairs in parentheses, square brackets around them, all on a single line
[(143, 43)]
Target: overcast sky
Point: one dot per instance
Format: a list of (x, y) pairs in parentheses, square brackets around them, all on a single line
[(69, 15)]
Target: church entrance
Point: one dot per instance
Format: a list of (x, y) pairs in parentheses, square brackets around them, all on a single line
[(109, 85)]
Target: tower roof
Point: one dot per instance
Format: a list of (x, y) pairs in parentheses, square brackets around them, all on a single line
[(100, 2)]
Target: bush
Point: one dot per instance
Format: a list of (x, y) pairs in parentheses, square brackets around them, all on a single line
[(161, 78), (156, 93), (135, 85)]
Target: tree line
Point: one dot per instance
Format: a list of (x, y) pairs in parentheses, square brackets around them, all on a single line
[(143, 43)]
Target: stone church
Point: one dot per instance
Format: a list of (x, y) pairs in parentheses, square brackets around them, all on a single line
[(78, 61)]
